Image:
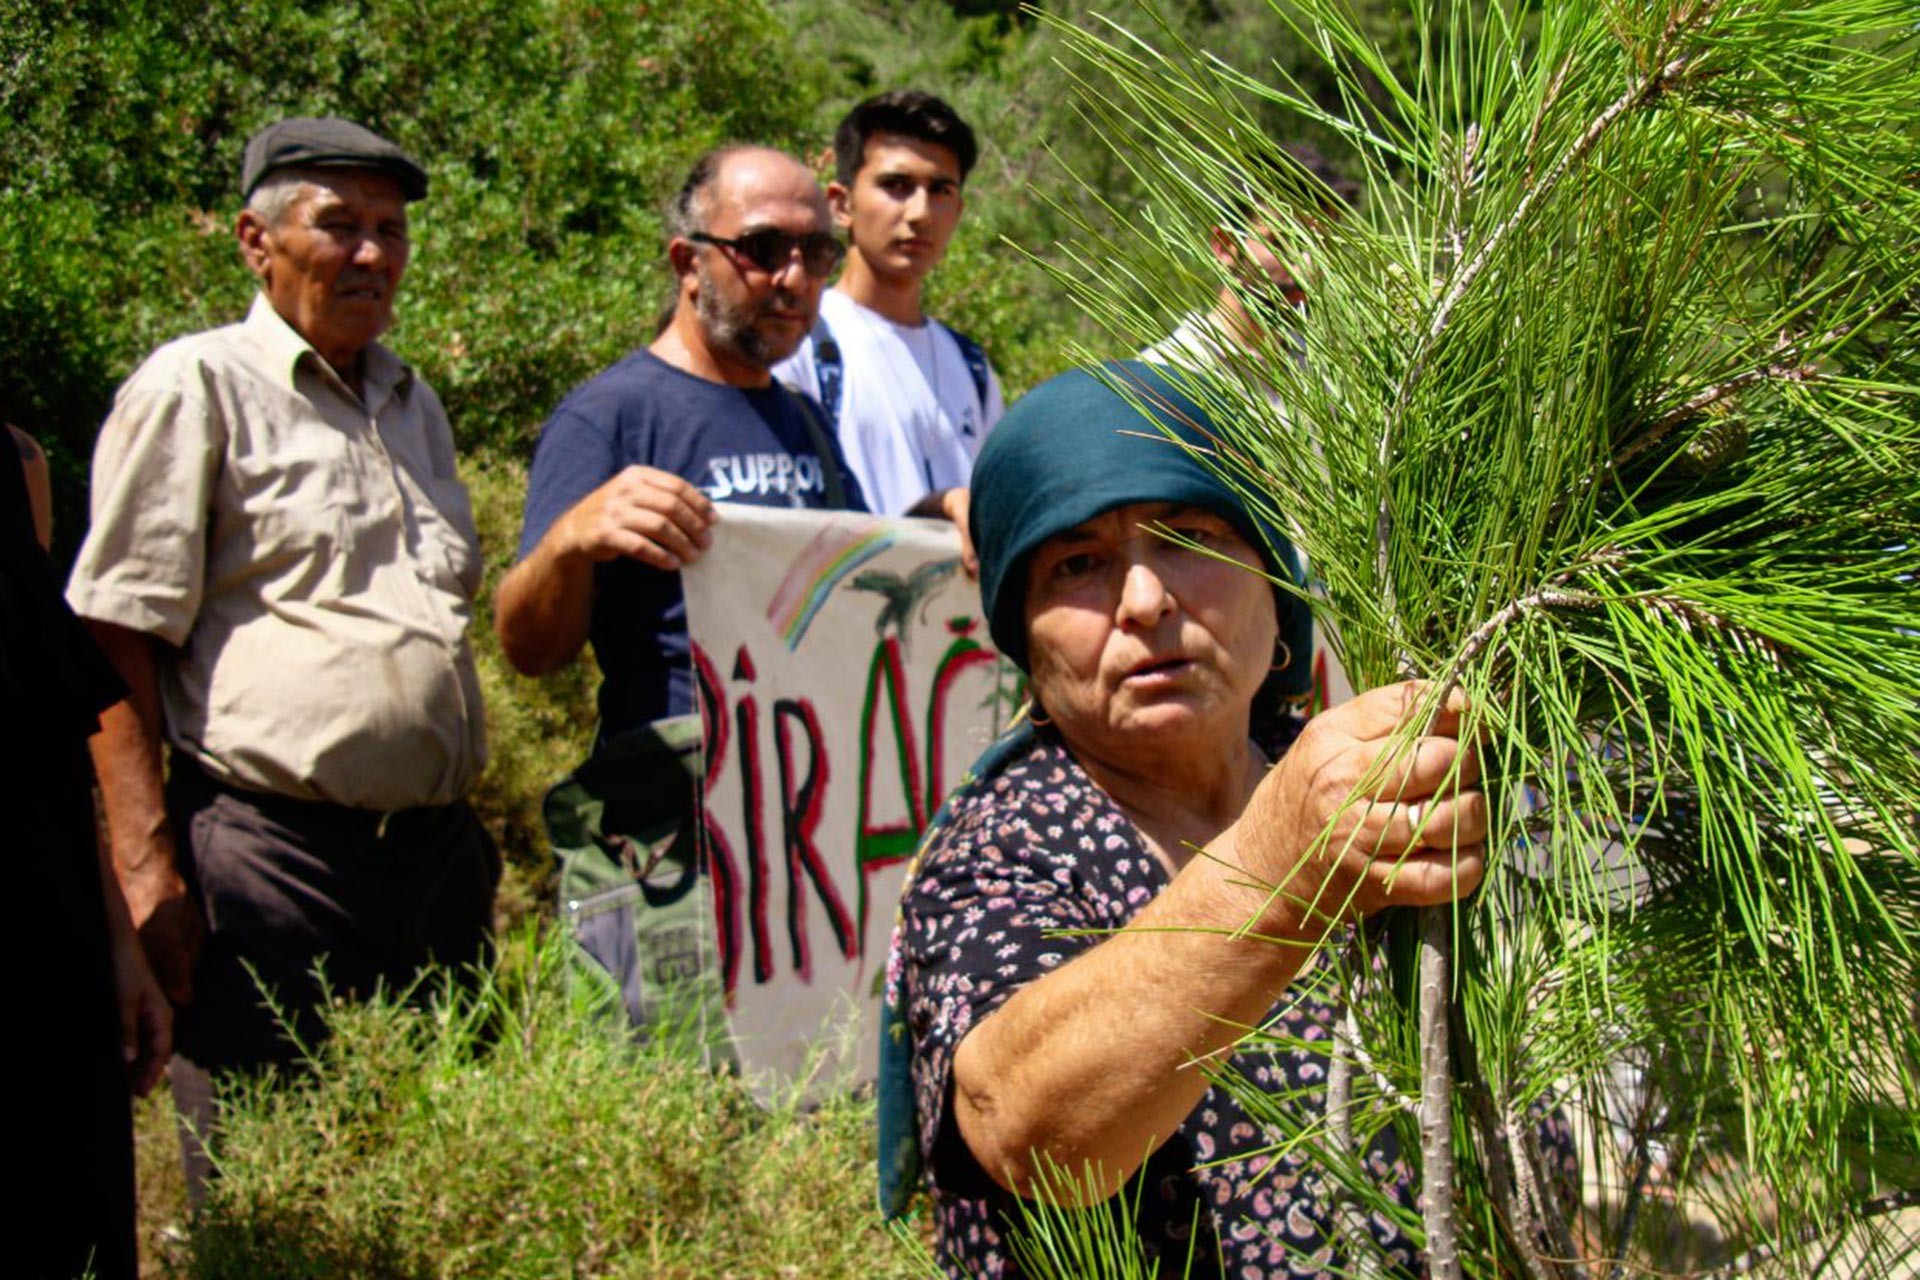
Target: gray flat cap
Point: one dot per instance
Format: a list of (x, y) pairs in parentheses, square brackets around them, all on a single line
[(326, 142)]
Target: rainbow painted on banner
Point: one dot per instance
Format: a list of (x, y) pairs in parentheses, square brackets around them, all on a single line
[(835, 552)]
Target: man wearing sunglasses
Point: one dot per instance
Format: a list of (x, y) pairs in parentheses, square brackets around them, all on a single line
[(629, 467)]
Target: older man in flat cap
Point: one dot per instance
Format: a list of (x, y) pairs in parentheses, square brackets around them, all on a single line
[(281, 565)]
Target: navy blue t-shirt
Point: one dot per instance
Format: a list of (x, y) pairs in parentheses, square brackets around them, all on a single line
[(736, 445)]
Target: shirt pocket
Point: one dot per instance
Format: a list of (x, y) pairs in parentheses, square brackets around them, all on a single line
[(450, 525), (303, 517), (293, 551)]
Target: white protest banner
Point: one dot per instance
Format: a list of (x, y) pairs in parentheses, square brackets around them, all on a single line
[(1330, 684), (846, 681)]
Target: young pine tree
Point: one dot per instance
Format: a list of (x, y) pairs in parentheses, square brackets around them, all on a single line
[(1605, 409)]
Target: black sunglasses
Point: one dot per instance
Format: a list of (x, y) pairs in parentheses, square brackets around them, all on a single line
[(771, 250)]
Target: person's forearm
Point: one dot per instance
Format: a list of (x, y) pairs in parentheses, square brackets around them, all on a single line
[(146, 1020), (120, 930), (1089, 1063), (1091, 1068), (542, 610), (127, 758)]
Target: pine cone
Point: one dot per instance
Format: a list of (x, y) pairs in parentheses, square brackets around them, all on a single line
[(1719, 440)]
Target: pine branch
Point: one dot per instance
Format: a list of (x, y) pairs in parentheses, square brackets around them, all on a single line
[(1536, 1186), (1640, 95), (1524, 1228), (1350, 1054), (1551, 597), (1364, 1062), (1435, 1009), (1349, 1221), (1639, 1175), (1664, 425), (1604, 285), (1552, 95), (1873, 1207), (1436, 1095)]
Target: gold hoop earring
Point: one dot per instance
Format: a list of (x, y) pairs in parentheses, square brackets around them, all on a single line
[(1037, 717), (1285, 656)]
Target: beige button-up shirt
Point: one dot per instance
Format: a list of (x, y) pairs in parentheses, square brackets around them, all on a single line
[(309, 555)]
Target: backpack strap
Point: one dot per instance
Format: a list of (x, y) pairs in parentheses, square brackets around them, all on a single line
[(976, 365), (820, 435), (829, 369)]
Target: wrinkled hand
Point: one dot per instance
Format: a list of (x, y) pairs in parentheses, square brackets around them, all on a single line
[(1405, 824), (643, 513), (146, 1019), (170, 928)]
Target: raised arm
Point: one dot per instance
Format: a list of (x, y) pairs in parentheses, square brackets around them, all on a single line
[(545, 603), (1093, 1065)]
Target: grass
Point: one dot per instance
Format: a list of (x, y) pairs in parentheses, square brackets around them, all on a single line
[(510, 1133)]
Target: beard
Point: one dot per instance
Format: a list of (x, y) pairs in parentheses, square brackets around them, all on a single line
[(734, 325)]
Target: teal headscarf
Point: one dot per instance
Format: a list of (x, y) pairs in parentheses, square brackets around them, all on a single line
[(1091, 440)]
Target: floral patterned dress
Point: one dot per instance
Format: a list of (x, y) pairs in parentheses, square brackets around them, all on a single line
[(1026, 851)]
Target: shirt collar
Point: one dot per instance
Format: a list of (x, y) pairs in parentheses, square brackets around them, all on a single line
[(386, 374)]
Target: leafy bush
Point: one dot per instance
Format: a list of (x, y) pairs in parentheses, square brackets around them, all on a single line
[(509, 1134), (48, 296), (554, 130)]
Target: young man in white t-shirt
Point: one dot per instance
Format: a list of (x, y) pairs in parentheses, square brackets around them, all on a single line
[(911, 399)]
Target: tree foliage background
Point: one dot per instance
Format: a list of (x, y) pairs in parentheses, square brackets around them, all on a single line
[(554, 131)]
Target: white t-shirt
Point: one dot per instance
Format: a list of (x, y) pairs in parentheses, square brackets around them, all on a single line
[(910, 420), (1193, 344), (1197, 342)]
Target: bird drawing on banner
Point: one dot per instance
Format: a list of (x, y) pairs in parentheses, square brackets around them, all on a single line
[(904, 594)]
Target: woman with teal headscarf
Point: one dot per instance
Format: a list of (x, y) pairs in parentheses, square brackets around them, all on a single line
[(1068, 946)]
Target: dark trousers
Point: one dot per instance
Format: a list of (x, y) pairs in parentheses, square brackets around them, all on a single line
[(287, 886)]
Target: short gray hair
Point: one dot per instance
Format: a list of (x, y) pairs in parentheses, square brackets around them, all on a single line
[(692, 205), (277, 193)]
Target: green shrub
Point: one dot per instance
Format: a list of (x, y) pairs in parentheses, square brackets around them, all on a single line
[(509, 1134), (554, 130), (48, 296), (537, 729)]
